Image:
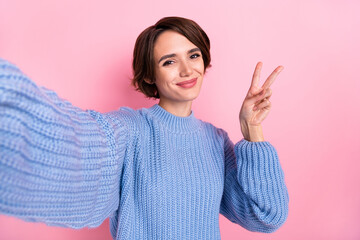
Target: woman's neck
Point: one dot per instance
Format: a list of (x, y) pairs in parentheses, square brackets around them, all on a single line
[(180, 109)]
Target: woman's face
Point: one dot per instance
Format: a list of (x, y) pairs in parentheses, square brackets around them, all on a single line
[(179, 68)]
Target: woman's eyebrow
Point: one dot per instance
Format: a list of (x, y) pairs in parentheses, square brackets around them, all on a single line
[(167, 56), (173, 54), (194, 50)]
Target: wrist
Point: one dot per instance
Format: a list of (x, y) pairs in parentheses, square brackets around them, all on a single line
[(252, 133)]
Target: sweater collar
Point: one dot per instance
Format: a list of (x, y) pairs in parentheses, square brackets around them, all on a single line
[(175, 123)]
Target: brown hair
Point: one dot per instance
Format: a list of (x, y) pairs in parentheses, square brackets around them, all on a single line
[(143, 56)]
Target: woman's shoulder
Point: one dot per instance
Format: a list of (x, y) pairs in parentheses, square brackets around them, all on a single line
[(125, 115), (133, 119), (212, 129)]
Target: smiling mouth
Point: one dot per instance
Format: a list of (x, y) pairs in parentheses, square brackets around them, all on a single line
[(187, 84)]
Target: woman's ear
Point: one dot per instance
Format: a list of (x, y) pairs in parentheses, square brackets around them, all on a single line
[(148, 81)]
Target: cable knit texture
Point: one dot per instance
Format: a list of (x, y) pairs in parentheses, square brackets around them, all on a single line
[(156, 175)]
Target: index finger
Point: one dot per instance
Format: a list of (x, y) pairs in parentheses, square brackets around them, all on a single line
[(272, 77)]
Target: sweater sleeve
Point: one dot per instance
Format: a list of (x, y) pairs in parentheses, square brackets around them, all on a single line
[(58, 164), (255, 195)]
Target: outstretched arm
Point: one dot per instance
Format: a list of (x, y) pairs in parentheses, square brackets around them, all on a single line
[(58, 164)]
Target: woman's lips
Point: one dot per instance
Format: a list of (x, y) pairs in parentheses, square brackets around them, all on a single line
[(187, 84)]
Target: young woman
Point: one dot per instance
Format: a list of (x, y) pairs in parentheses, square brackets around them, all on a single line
[(158, 173)]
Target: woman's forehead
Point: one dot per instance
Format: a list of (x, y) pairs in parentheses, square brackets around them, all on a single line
[(171, 42)]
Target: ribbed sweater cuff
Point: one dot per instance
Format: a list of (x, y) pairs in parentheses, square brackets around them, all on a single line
[(258, 166)]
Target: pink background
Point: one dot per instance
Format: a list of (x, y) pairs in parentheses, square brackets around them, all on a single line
[(82, 49)]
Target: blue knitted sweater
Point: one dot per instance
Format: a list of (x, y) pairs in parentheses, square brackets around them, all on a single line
[(156, 175)]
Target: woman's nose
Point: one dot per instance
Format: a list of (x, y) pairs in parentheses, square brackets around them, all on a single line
[(185, 69)]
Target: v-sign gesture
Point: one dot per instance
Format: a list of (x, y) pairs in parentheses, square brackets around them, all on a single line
[(256, 105)]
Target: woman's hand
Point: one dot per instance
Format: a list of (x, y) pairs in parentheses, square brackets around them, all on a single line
[(256, 105)]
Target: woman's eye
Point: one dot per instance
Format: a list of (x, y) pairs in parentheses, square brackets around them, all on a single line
[(196, 55), (167, 63)]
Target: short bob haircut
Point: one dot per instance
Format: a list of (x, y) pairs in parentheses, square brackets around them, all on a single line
[(143, 56)]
